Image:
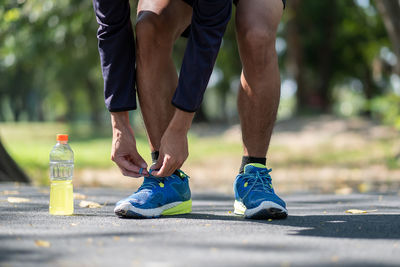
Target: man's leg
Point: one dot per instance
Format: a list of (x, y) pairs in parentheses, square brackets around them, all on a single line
[(256, 25), (159, 24)]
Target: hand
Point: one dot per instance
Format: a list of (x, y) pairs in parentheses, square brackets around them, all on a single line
[(123, 150), (173, 153), (174, 145)]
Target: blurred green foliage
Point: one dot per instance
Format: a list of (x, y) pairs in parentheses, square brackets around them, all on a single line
[(50, 70), (387, 109), (30, 144)]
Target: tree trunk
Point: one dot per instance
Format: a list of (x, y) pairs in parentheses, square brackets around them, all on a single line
[(295, 54), (390, 12), (9, 170), (326, 60)]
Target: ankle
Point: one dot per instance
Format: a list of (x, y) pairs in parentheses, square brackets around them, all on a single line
[(248, 160)]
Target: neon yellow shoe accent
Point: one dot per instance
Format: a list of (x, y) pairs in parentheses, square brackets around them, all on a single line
[(161, 184), (258, 165), (245, 184), (184, 207)]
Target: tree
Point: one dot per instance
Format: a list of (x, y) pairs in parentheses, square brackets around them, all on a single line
[(390, 10), (325, 50), (9, 170)]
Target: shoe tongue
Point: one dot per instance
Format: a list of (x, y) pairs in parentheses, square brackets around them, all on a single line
[(253, 167)]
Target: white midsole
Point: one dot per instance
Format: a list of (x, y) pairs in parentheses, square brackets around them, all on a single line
[(125, 206), (241, 209)]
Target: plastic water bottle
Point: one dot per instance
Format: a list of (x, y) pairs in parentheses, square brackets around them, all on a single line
[(61, 172)]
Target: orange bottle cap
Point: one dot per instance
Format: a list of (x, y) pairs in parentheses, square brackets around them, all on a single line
[(62, 137)]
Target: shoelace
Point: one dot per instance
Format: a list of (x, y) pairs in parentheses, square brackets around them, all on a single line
[(152, 182), (261, 181)]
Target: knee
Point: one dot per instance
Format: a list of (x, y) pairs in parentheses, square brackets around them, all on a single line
[(152, 32), (258, 41)]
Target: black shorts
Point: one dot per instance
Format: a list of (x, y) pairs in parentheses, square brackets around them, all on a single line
[(190, 2)]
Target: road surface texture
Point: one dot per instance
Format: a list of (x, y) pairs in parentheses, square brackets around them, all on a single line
[(317, 232)]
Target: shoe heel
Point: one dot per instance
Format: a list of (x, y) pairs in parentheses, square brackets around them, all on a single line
[(184, 207), (239, 208)]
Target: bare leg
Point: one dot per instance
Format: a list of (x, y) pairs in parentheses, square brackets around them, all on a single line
[(159, 24), (259, 92)]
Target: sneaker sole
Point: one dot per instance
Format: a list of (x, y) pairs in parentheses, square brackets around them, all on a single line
[(266, 210), (126, 210)]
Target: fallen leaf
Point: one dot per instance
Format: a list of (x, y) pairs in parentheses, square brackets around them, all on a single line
[(131, 239), (207, 225), (18, 200), (116, 238), (79, 196), (89, 204), (9, 192), (42, 243), (270, 220), (356, 211)]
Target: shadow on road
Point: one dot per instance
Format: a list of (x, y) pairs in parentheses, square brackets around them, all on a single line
[(383, 226), (370, 226)]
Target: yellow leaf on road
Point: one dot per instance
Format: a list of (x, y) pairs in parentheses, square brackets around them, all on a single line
[(89, 204), (356, 211), (18, 200), (42, 243)]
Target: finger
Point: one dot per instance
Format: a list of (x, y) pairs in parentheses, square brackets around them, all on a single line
[(157, 165), (169, 166), (125, 172), (126, 164), (139, 161), (142, 167)]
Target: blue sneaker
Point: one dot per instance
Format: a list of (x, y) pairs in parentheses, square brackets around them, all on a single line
[(254, 196), (158, 196)]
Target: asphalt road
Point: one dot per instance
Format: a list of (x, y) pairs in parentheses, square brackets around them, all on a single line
[(317, 232)]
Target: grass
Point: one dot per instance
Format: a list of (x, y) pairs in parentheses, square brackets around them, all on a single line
[(376, 152), (30, 144)]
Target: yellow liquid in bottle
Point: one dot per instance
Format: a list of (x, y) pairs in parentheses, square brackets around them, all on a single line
[(61, 198)]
